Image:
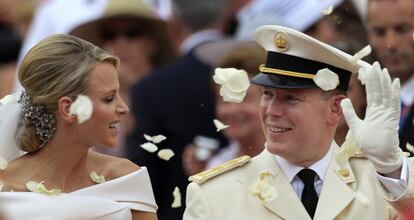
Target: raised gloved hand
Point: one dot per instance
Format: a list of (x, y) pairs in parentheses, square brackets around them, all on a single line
[(377, 134)]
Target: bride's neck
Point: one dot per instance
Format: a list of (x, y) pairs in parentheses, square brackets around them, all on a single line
[(60, 163)]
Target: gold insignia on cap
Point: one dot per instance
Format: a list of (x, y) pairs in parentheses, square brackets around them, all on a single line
[(344, 172), (281, 41), (222, 168)]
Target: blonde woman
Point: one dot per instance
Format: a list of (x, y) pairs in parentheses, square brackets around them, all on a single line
[(56, 159)]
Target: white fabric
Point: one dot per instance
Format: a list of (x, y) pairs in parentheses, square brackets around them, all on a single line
[(396, 187), (113, 199), (199, 37), (377, 134), (296, 14), (291, 171), (9, 119), (224, 155)]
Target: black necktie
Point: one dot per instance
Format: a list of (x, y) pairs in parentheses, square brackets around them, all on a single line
[(309, 196)]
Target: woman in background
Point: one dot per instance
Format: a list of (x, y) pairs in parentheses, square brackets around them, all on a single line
[(244, 131)]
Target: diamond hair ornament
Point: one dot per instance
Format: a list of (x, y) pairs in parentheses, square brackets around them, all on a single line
[(37, 115)]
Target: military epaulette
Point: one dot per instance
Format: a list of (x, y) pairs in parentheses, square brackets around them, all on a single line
[(358, 154), (222, 168)]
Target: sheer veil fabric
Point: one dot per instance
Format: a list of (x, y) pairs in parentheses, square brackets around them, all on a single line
[(10, 128)]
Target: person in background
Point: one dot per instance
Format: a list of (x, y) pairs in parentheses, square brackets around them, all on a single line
[(390, 26), (244, 131), (131, 30), (176, 100), (47, 147)]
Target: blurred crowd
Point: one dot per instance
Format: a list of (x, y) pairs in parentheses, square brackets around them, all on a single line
[(169, 49)]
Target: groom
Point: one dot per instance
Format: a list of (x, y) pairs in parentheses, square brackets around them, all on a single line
[(302, 173)]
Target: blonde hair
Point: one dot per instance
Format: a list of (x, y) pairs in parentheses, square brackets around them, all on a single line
[(57, 66)]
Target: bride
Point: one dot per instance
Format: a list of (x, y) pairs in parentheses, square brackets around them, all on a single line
[(51, 173)]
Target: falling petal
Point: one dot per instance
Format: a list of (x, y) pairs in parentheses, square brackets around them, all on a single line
[(326, 79), (238, 81), (360, 54), (221, 74), (234, 83), (96, 178), (219, 125), (8, 99), (155, 139), (3, 163), (150, 147), (177, 198), (360, 196), (165, 154), (1, 186), (231, 96), (409, 147), (263, 189), (82, 108), (327, 11)]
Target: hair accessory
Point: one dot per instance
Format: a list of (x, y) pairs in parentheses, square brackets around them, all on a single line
[(45, 122)]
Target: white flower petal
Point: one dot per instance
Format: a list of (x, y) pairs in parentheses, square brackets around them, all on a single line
[(221, 75), (158, 138), (150, 147), (40, 188), (147, 137), (360, 196), (327, 11), (326, 79), (230, 96), (1, 186), (155, 139), (33, 186), (238, 81), (165, 154), (234, 83), (82, 108), (263, 189), (361, 54), (8, 99), (177, 198), (219, 125), (96, 178), (3, 163)]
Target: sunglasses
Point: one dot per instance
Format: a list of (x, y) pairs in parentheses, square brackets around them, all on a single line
[(129, 33)]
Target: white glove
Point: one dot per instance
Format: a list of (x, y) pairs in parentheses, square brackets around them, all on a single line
[(377, 134)]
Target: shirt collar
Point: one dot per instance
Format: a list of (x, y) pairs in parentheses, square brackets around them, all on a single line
[(198, 38), (320, 167), (407, 94)]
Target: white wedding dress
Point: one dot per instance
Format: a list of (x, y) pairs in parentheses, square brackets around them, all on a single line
[(113, 199)]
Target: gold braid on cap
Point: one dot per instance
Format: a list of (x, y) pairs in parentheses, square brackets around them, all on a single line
[(265, 69)]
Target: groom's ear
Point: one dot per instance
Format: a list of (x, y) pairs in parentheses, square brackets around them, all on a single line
[(335, 110)]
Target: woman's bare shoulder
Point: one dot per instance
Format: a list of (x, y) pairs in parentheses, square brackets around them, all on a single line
[(113, 167)]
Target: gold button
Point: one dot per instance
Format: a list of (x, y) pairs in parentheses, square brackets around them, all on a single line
[(344, 172)]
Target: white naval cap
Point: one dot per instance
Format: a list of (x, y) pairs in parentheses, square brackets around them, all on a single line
[(294, 58)]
